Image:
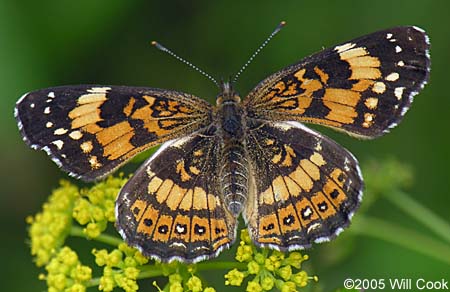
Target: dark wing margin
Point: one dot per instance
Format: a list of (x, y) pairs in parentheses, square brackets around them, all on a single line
[(307, 188), (90, 130), (362, 87), (171, 209)]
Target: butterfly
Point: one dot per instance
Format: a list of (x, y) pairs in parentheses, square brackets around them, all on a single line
[(251, 157)]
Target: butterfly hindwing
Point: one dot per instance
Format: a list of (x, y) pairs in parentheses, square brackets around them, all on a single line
[(362, 87), (171, 208), (307, 186), (89, 130)]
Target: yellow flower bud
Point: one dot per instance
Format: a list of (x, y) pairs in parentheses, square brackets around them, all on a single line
[(106, 284), (194, 284), (131, 273), (300, 278), (81, 273), (234, 277), (176, 287), (288, 287), (254, 287), (77, 287), (285, 272), (114, 258), (245, 237), (253, 267), (267, 283)]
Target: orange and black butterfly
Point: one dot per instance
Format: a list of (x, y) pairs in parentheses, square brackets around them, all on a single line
[(254, 157)]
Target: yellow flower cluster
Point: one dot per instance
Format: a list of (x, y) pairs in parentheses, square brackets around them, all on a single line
[(50, 227), (270, 269), (120, 267), (95, 206), (66, 273)]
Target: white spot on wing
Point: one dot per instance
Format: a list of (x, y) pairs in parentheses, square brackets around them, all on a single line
[(47, 110), (49, 124), (58, 143), (307, 212), (400, 63), (318, 146), (379, 87), (16, 114), (75, 135), (404, 110), (180, 142), (398, 49), (57, 161), (344, 47), (312, 227), (178, 244), (346, 167), (393, 76), (51, 94), (418, 29), (427, 52), (22, 98), (388, 35), (398, 92), (60, 131), (99, 89)]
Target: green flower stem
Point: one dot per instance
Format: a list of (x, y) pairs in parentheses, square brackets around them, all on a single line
[(105, 238), (147, 271), (220, 266), (151, 271), (410, 239), (94, 282), (420, 213)]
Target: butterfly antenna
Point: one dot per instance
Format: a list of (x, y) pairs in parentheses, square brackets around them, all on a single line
[(277, 29), (166, 50)]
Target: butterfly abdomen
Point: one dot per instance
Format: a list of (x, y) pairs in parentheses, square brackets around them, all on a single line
[(234, 176)]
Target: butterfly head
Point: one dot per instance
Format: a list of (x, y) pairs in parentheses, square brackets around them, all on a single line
[(227, 94)]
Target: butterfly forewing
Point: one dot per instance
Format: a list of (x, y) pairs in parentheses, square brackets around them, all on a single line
[(362, 87), (89, 130)]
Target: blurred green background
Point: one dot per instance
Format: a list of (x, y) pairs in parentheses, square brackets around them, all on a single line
[(50, 43)]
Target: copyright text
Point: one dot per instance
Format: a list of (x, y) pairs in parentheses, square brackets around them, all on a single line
[(396, 283)]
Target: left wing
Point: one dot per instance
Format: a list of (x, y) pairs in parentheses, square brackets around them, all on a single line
[(362, 87), (90, 130)]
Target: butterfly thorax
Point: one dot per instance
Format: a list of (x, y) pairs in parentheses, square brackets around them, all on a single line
[(233, 172), (230, 113)]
